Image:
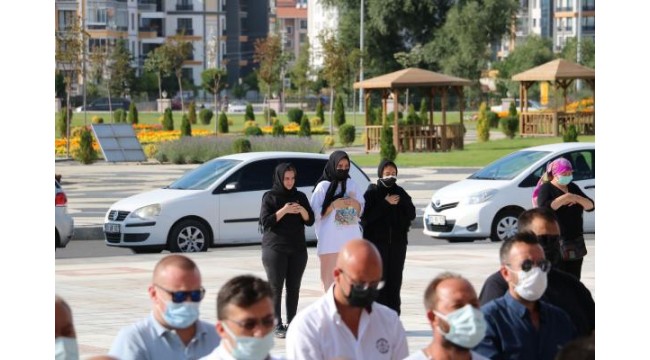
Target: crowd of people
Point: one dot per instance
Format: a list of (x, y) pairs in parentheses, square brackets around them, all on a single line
[(532, 307)]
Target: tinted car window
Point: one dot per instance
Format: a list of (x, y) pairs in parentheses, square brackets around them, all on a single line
[(309, 170), (510, 166), (254, 176), (204, 176), (583, 163)]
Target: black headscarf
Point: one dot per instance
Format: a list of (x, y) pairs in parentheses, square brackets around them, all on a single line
[(278, 180), (380, 174), (329, 174)]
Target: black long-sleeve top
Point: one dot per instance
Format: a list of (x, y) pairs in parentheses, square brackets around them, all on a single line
[(288, 234), (383, 222)]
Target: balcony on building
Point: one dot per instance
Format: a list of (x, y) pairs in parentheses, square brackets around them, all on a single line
[(154, 27), (184, 6), (184, 31), (564, 9), (150, 5)]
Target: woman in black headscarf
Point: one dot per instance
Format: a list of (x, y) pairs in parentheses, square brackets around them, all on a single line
[(337, 203), (284, 214), (386, 220)]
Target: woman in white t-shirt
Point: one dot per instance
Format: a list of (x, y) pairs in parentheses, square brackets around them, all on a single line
[(337, 203)]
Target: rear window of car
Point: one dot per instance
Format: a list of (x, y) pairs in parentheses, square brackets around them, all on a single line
[(507, 168)]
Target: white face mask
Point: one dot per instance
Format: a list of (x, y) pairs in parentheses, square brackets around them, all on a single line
[(66, 348), (466, 326), (250, 347), (531, 284)]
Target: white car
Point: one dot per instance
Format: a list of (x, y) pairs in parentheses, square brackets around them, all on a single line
[(236, 107), (63, 222), (216, 203), (487, 203)]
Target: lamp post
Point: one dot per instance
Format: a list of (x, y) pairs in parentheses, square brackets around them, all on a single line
[(361, 59)]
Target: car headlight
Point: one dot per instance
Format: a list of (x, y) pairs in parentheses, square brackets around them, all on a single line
[(481, 196), (147, 212)]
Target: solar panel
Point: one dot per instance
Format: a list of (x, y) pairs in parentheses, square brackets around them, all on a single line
[(118, 142)]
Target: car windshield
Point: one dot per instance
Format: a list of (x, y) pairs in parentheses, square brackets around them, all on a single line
[(203, 176), (510, 166)]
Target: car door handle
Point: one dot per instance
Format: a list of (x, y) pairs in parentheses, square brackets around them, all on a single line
[(590, 187)]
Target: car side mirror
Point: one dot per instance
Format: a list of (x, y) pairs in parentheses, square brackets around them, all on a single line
[(231, 186)]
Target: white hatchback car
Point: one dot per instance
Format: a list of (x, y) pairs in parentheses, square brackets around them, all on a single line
[(63, 222), (488, 202), (216, 203)]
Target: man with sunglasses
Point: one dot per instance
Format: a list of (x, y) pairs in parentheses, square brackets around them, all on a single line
[(173, 330), (346, 322), (519, 325), (245, 320), (564, 290)]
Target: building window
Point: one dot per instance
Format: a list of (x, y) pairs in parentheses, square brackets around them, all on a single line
[(132, 22), (289, 43), (184, 27), (534, 22), (289, 30), (303, 24), (66, 19), (184, 5)]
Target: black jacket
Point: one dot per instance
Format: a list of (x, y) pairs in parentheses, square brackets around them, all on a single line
[(383, 222)]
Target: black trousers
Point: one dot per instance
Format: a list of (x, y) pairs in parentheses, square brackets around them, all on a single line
[(280, 266), (573, 267), (392, 256)]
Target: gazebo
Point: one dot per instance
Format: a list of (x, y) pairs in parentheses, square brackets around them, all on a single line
[(560, 74), (424, 137)]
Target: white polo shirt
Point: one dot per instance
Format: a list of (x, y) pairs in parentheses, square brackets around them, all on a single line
[(318, 332)]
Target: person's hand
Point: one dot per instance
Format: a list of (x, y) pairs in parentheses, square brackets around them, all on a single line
[(291, 208), (392, 199), (568, 199)]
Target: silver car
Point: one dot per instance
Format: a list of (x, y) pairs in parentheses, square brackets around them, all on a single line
[(64, 223)]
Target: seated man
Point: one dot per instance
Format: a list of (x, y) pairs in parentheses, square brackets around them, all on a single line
[(245, 320), (457, 323), (173, 330), (564, 290), (519, 325), (347, 322)]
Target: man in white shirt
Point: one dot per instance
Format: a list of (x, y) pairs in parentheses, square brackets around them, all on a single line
[(245, 320), (347, 322), (455, 318)]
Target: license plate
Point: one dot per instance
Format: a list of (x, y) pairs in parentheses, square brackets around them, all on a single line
[(437, 219), (112, 228)]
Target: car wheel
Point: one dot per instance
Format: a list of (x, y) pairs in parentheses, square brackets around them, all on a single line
[(504, 225), (188, 236), (146, 250)]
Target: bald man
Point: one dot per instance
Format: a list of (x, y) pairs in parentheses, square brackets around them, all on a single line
[(346, 322), (173, 330), (65, 336)]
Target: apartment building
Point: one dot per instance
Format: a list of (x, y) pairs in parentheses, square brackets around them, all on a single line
[(291, 20), (573, 18), (319, 19)]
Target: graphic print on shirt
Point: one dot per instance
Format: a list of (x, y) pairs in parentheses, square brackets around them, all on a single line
[(382, 345), (345, 216)]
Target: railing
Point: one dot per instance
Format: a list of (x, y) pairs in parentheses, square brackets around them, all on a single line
[(183, 31), (147, 7), (566, 8), (418, 138), (551, 123), (184, 7)]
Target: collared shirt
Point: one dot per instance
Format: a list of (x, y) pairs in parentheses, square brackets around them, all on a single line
[(420, 355), (220, 353), (149, 340), (511, 335), (318, 332)]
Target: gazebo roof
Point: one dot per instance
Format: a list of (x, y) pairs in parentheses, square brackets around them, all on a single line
[(558, 69), (411, 77)]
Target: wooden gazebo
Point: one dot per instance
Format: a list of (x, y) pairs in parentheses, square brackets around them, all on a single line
[(424, 137), (560, 74)]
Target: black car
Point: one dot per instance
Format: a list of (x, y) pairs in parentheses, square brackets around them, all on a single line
[(101, 104)]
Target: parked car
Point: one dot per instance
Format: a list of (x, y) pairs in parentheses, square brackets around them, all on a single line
[(216, 203), (488, 202), (101, 104), (236, 107), (63, 222)]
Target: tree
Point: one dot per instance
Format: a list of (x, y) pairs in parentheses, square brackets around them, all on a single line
[(186, 126), (335, 65), (268, 54), (339, 112), (177, 50), (133, 114), (69, 57), (158, 63), (409, 59), (300, 71), (121, 75), (533, 52), (587, 51), (214, 81), (387, 150), (483, 123), (192, 112)]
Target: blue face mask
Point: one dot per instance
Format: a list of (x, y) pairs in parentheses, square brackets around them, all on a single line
[(564, 180), (250, 347), (466, 326), (181, 315), (66, 348)]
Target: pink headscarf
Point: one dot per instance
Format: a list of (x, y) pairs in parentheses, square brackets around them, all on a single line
[(555, 167)]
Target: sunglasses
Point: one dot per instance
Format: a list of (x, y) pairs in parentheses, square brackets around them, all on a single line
[(528, 264), (363, 286), (181, 296), (251, 323)]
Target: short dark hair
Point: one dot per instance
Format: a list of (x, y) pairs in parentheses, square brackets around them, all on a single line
[(242, 291), (522, 236), (430, 295), (526, 218)]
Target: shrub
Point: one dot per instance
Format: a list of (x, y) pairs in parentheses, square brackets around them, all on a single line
[(269, 113), (571, 134), (97, 119), (62, 122), (305, 127), (319, 112), (223, 123), (493, 119), (253, 131), (186, 127), (412, 118), (387, 149), (86, 154), (249, 123), (512, 110), (391, 116), (250, 115), (295, 115), (241, 145), (205, 115), (346, 134), (278, 129), (509, 126), (168, 120), (328, 141), (133, 114), (150, 150), (192, 113), (316, 122), (339, 112), (424, 112), (483, 124), (119, 116)]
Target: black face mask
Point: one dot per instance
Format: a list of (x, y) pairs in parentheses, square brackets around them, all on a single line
[(388, 181), (342, 174), (362, 298), (551, 246)]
